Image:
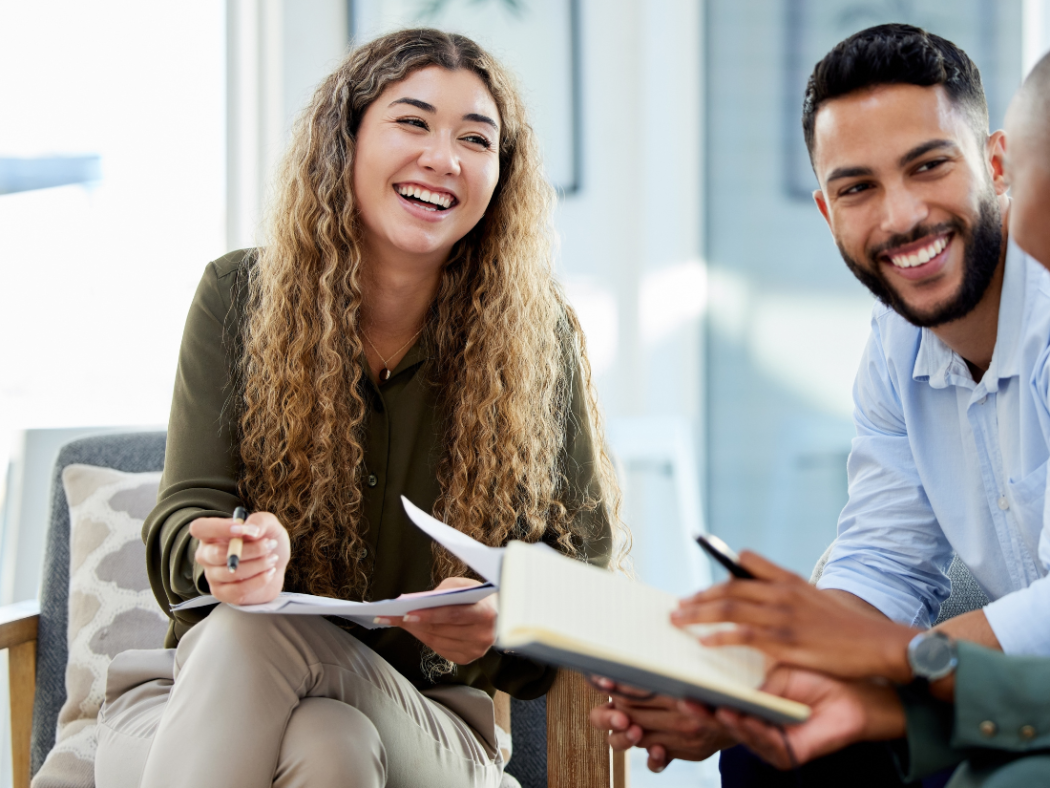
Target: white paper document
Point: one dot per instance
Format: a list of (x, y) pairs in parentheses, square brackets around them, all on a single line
[(361, 613), (486, 561)]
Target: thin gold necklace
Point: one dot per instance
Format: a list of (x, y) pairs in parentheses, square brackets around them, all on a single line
[(385, 373)]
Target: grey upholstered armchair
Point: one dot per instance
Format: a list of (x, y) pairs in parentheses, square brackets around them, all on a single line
[(553, 743)]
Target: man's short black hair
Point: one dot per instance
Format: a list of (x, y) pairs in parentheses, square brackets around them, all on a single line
[(895, 54)]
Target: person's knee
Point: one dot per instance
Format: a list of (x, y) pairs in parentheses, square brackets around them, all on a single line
[(230, 630), (329, 743)]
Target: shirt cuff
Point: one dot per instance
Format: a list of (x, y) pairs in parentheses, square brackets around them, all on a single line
[(897, 607), (1016, 619), (929, 744), (1000, 700)]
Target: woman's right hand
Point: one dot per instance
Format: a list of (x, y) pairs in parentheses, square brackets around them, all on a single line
[(260, 575)]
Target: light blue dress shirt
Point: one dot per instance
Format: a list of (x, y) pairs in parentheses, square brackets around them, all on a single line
[(943, 464)]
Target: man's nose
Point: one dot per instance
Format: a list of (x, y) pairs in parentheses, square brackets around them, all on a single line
[(439, 156), (902, 210)]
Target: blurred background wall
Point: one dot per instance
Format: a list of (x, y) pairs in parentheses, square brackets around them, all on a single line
[(137, 141)]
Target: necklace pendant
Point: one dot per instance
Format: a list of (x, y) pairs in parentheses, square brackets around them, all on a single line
[(384, 375)]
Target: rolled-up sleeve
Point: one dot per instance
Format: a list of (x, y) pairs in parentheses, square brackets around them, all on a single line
[(890, 549)]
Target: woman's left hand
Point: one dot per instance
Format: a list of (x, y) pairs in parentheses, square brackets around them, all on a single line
[(459, 633)]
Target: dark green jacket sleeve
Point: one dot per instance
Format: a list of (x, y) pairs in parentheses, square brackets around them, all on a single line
[(200, 471), (1010, 692), (928, 747), (1002, 707)]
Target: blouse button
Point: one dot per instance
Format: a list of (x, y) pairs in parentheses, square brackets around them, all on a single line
[(1027, 732), (373, 480), (987, 728), (1004, 504)]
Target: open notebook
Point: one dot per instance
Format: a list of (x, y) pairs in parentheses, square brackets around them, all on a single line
[(561, 611)]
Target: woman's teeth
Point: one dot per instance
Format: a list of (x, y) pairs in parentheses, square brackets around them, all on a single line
[(921, 256), (434, 198)]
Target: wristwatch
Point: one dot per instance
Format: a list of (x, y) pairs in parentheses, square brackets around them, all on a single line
[(932, 655)]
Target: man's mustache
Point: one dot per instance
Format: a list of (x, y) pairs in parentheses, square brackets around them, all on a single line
[(916, 234)]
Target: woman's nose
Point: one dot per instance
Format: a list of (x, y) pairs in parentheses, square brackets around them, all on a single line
[(439, 157)]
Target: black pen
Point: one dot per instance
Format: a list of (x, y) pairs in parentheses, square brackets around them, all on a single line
[(233, 553), (724, 554)]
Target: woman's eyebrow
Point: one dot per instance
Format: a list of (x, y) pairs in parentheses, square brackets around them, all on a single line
[(473, 116), (481, 119), (415, 103)]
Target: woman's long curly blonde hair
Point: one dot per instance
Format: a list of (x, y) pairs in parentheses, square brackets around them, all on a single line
[(504, 343)]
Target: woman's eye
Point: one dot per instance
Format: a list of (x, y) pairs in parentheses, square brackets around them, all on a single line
[(419, 123), (477, 139)]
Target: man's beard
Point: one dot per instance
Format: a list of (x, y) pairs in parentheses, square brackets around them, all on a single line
[(982, 246)]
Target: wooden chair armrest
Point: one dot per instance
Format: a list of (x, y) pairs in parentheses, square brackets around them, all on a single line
[(18, 632), (578, 755), (18, 623)]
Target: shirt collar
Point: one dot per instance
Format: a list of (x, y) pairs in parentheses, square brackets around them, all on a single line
[(1006, 361), (941, 366)]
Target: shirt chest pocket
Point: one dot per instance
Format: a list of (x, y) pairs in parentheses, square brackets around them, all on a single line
[(1026, 499)]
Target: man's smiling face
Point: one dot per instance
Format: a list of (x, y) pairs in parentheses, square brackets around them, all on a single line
[(912, 198)]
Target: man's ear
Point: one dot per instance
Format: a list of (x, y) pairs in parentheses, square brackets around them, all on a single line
[(995, 153), (822, 205)]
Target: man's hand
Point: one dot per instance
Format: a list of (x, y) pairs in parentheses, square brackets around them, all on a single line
[(259, 576), (656, 724), (459, 633), (784, 616), (843, 713)]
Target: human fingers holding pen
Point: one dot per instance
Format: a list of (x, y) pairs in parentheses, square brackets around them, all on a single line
[(459, 633), (259, 575), (794, 622)]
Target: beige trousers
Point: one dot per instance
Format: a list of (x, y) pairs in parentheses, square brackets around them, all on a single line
[(286, 701)]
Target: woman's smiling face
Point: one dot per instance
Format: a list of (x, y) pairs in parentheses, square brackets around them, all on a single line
[(426, 164)]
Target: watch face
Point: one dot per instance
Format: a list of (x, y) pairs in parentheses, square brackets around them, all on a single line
[(933, 656)]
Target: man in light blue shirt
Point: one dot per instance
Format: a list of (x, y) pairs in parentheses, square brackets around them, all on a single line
[(951, 408), (953, 424), (944, 464)]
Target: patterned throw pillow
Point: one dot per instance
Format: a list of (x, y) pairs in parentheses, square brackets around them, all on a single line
[(111, 606)]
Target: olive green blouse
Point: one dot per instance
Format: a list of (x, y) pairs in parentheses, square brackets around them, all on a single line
[(403, 446)]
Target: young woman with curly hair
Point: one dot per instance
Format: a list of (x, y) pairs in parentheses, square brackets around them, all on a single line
[(400, 332)]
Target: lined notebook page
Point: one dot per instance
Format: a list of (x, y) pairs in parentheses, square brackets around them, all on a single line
[(572, 603)]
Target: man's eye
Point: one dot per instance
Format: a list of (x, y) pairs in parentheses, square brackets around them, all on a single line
[(419, 123), (930, 165), (856, 188)]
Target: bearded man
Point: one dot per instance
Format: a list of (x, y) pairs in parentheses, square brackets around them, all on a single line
[(951, 398)]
